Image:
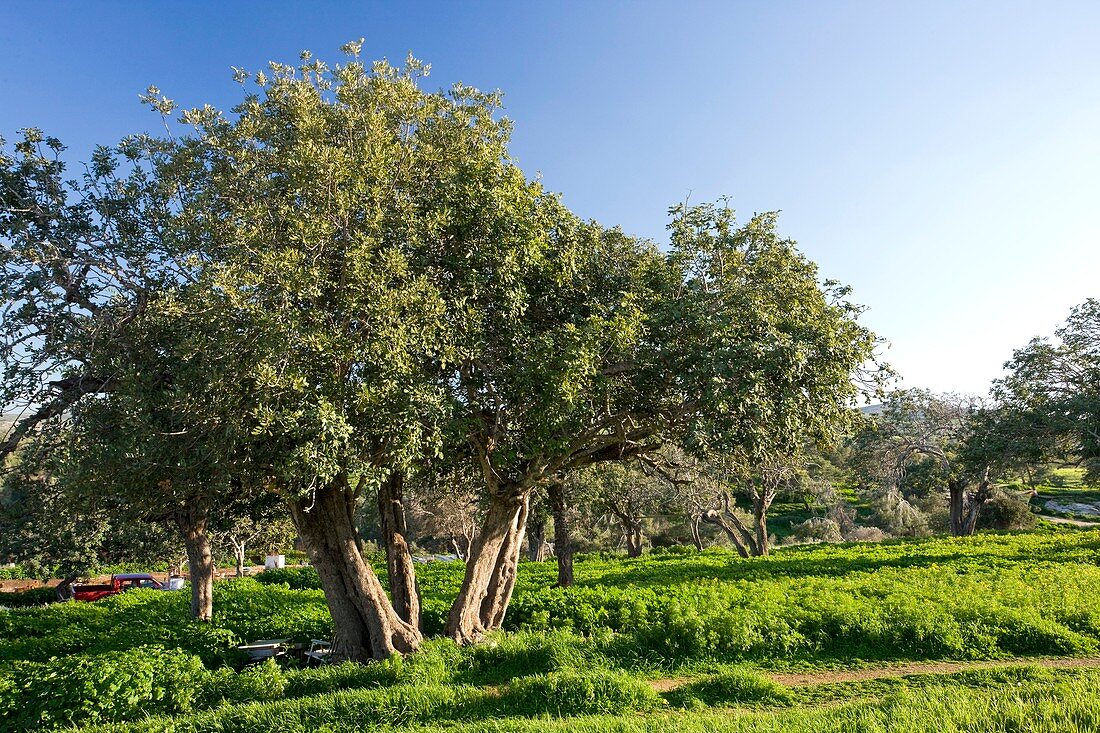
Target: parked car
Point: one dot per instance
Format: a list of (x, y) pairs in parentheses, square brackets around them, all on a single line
[(121, 583)]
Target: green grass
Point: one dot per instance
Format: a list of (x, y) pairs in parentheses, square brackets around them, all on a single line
[(582, 654), (1014, 699)]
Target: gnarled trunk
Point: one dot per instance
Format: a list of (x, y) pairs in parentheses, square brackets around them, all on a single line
[(491, 569), (399, 565), (192, 523), (742, 539), (762, 501), (968, 520), (563, 539), (365, 622)]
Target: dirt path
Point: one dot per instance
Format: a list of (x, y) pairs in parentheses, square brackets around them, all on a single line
[(802, 679), (1067, 520)]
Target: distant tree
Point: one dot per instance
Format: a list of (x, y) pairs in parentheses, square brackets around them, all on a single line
[(1051, 397), (630, 495), (942, 440), (761, 484), (265, 524)]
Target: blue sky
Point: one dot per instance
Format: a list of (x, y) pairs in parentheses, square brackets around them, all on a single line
[(942, 158)]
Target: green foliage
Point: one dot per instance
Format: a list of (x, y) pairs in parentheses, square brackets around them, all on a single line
[(981, 597), (85, 689), (733, 687), (299, 578), (574, 693), (986, 596), (1005, 512), (260, 682), (246, 611)]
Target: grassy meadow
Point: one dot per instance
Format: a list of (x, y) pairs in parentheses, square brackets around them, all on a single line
[(674, 640)]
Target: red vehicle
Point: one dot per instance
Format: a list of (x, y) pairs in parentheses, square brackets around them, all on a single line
[(118, 584)]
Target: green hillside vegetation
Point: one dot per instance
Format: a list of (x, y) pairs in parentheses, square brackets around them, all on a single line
[(713, 623)]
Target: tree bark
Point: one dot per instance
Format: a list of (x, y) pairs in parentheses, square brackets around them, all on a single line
[(399, 564), (762, 501), (365, 622), (742, 539), (536, 538), (976, 501), (956, 493), (632, 529), (715, 517), (563, 539), (64, 589), (491, 569), (461, 546), (200, 561), (696, 535)]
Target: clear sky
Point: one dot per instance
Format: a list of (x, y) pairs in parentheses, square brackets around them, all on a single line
[(943, 158)]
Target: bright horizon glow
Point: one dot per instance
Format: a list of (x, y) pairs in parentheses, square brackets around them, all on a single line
[(943, 160)]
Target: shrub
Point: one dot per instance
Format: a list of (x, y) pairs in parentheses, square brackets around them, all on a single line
[(301, 578), (1006, 512), (259, 682), (733, 687), (573, 693), (865, 534), (815, 529), (85, 689)]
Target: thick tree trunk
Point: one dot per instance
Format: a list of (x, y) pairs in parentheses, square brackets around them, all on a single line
[(399, 564), (563, 539), (200, 562), (365, 622), (490, 570), (976, 501)]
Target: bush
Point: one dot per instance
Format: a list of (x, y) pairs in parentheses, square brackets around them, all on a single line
[(86, 689), (260, 682), (815, 529), (865, 534), (573, 693), (1006, 512), (301, 578), (733, 687)]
